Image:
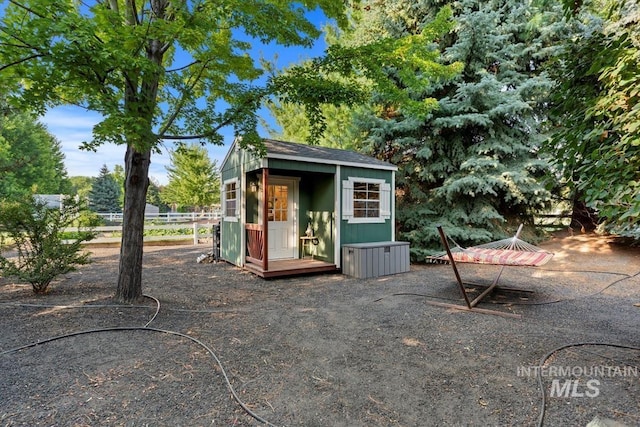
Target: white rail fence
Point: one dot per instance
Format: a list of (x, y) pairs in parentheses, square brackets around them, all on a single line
[(168, 216), (191, 232)]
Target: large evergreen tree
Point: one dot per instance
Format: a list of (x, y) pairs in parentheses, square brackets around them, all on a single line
[(473, 165), (193, 179), (104, 196)]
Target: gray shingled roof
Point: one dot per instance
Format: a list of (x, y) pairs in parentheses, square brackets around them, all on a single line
[(281, 149)]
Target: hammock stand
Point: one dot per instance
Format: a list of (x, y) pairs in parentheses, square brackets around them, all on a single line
[(507, 252)]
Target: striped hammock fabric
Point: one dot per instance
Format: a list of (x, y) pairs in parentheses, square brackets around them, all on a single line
[(478, 255), (512, 251)]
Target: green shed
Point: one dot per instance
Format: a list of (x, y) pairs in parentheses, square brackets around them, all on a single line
[(294, 210)]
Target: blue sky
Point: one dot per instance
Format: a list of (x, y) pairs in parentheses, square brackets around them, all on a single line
[(73, 125)]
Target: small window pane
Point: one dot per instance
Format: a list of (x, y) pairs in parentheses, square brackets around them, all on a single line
[(231, 208), (357, 186), (366, 200), (278, 198), (360, 195), (230, 199)]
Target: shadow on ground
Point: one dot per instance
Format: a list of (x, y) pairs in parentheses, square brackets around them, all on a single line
[(326, 350)]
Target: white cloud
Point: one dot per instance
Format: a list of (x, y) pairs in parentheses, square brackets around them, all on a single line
[(73, 125)]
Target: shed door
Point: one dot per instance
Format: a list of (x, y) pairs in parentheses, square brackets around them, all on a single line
[(282, 234)]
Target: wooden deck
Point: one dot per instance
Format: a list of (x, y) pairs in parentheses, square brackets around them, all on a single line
[(292, 267)]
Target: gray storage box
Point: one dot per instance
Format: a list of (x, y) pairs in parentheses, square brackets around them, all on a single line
[(364, 260)]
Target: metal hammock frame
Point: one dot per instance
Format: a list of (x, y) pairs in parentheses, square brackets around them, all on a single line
[(506, 252)]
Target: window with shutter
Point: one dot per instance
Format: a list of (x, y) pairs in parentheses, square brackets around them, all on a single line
[(366, 200), (230, 199)]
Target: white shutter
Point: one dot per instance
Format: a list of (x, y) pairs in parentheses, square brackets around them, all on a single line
[(223, 199), (347, 200), (385, 200), (238, 198)]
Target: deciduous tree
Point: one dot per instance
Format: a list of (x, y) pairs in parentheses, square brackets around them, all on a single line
[(598, 114), (31, 160), (118, 175), (153, 196), (81, 186), (193, 179), (155, 70), (340, 131)]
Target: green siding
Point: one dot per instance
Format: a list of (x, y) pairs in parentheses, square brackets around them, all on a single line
[(230, 239), (231, 168), (364, 233), (317, 201), (252, 199), (301, 167), (347, 171)]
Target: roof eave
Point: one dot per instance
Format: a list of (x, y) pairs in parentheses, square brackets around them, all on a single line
[(229, 151), (388, 167)]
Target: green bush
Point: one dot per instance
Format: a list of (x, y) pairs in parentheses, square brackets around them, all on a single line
[(36, 231), (87, 218), (187, 231)]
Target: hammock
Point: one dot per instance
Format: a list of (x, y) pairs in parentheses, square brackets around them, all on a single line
[(506, 252), (512, 251)]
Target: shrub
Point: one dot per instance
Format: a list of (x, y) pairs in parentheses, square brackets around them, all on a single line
[(37, 233)]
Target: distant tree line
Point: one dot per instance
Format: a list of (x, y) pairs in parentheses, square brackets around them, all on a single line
[(31, 162), (193, 186)]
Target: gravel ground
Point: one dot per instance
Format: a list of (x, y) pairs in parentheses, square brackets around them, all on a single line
[(213, 345)]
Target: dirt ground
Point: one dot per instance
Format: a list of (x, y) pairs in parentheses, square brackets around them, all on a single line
[(213, 345)]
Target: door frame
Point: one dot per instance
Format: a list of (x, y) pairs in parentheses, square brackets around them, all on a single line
[(293, 182)]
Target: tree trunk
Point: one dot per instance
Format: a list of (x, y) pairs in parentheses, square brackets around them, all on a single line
[(135, 195), (583, 217)]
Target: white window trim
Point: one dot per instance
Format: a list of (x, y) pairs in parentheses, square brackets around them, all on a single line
[(223, 196), (347, 201)]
